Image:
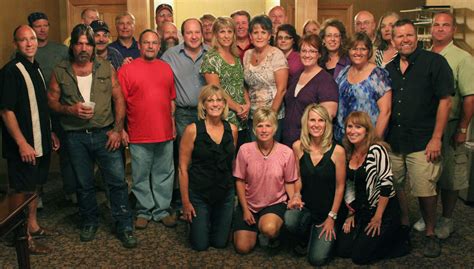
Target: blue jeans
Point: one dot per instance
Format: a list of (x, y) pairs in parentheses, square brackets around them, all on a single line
[(65, 166), (212, 223), (184, 117), (300, 224), (277, 135), (86, 149), (153, 175)]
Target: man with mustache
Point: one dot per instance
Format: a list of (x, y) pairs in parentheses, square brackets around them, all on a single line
[(151, 130), (85, 91), (169, 37), (102, 49)]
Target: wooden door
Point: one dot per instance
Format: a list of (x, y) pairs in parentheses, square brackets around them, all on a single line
[(342, 12), (108, 10)]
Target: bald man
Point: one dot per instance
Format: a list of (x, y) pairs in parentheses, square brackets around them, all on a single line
[(364, 21), (278, 17)]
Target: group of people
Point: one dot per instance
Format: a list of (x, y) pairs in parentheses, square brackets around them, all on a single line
[(315, 133)]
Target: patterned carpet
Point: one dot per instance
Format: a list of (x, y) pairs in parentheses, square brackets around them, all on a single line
[(161, 247)]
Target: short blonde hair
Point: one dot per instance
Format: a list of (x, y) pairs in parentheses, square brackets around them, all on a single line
[(265, 114), (305, 137), (124, 14), (220, 23), (206, 92)]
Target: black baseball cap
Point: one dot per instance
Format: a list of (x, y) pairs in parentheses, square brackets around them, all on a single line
[(99, 25)]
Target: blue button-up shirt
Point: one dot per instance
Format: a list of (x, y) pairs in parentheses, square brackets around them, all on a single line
[(188, 80)]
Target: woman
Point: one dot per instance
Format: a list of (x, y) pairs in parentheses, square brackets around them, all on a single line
[(313, 85), (385, 52), (287, 41), (372, 227), (363, 86), (265, 173), (221, 66), (206, 154), (333, 52), (311, 27), (322, 174), (265, 71)]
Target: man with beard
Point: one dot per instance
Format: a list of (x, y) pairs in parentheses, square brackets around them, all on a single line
[(102, 49), (207, 20), (169, 37), (151, 130), (26, 133), (126, 43), (82, 90)]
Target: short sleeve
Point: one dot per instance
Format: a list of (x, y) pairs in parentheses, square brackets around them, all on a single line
[(465, 76), (9, 89), (290, 168), (210, 64), (381, 82), (443, 80), (278, 60), (240, 168), (328, 90)]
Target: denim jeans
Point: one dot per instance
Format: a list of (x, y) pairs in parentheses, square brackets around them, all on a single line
[(299, 223), (277, 135), (212, 223), (153, 176), (86, 149), (65, 166), (184, 117)]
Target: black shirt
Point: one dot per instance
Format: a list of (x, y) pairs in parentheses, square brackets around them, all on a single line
[(416, 95), (14, 97)]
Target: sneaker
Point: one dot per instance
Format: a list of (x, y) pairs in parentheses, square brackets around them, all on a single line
[(420, 225), (169, 221), (444, 228), (141, 223), (127, 239), (88, 233), (432, 247)]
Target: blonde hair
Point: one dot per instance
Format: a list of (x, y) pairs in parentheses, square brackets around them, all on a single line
[(206, 92), (220, 23), (362, 118), (265, 114), (305, 137), (311, 21)]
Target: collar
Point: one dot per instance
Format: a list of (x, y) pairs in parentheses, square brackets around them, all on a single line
[(411, 58), (445, 50), (133, 46), (204, 48), (26, 62)]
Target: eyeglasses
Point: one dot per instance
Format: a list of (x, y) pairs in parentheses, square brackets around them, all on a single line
[(365, 23), (284, 37), (308, 51), (336, 36), (359, 49)]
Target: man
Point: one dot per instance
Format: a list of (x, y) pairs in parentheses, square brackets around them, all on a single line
[(455, 155), (125, 43), (242, 19), (151, 130), (278, 17), (88, 15), (27, 137), (48, 55), (422, 83), (82, 91), (207, 20), (169, 34), (185, 59), (163, 13), (364, 21), (102, 48)]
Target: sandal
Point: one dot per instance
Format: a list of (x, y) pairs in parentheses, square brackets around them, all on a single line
[(42, 232)]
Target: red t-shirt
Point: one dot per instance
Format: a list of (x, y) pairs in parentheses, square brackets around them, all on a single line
[(148, 89)]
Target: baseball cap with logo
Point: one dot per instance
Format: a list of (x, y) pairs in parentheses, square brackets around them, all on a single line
[(99, 25)]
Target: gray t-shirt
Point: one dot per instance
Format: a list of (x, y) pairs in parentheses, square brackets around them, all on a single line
[(49, 56)]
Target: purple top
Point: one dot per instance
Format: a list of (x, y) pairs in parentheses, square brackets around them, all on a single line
[(294, 64), (321, 88), (343, 62)]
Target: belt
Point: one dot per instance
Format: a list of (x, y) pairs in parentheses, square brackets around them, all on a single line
[(90, 130)]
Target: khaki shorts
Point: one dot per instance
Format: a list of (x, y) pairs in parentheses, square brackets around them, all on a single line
[(455, 162), (422, 175)]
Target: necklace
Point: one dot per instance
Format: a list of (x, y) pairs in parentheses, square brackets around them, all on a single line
[(258, 55), (265, 156)]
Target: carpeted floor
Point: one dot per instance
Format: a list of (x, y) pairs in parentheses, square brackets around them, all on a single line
[(161, 247)]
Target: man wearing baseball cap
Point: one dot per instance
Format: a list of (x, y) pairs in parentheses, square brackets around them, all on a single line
[(102, 50), (163, 13)]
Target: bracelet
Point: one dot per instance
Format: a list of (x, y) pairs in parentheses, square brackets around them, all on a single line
[(297, 195)]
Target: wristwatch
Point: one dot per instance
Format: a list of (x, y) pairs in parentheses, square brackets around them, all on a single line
[(332, 215), (462, 130)]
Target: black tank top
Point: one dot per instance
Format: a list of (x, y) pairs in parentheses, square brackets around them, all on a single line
[(210, 172), (319, 184)]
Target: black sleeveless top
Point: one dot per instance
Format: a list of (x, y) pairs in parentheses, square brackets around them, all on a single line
[(210, 172), (319, 185)]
